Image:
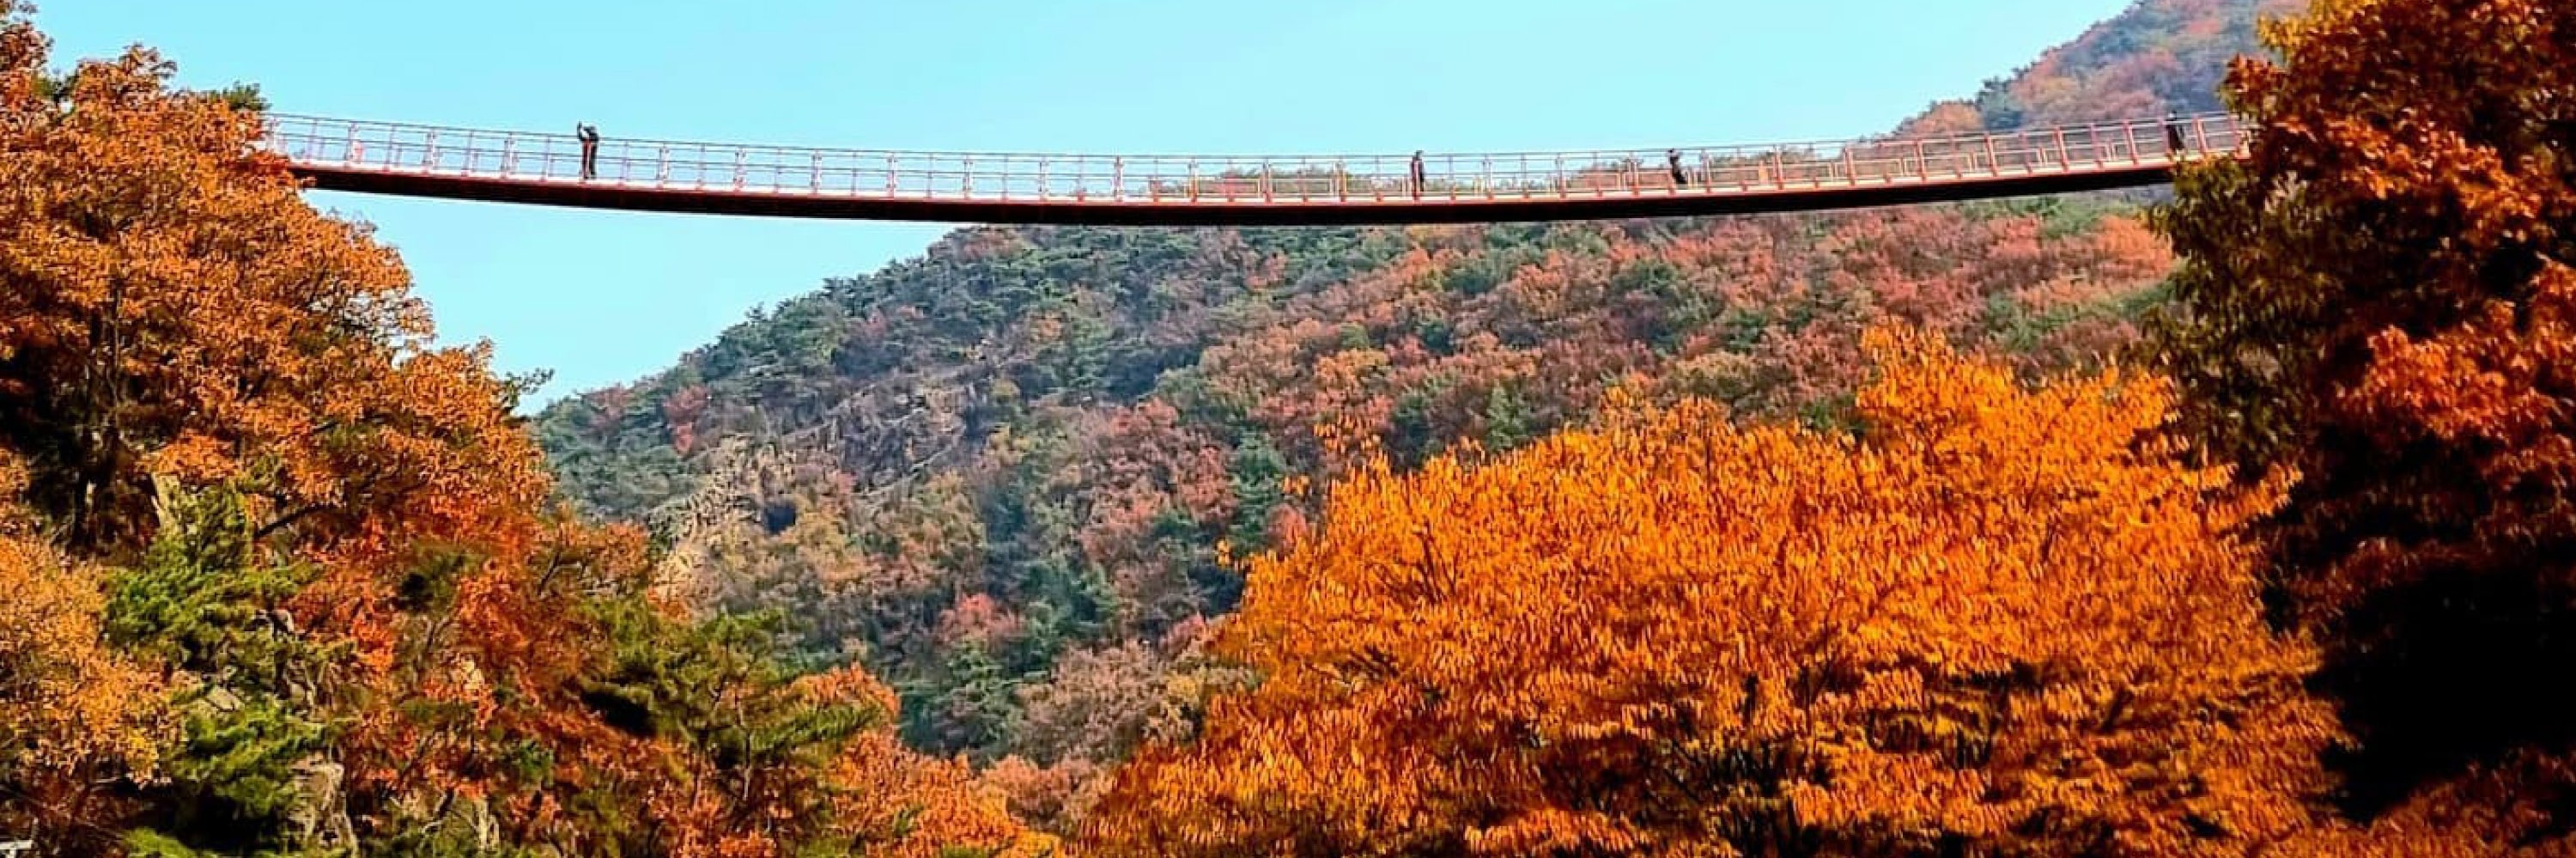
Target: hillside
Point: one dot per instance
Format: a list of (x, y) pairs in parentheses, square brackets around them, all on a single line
[(1006, 475)]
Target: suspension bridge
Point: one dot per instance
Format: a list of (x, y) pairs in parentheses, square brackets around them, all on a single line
[(1198, 190)]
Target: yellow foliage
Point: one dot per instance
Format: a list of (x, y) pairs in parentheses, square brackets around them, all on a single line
[(76, 718)]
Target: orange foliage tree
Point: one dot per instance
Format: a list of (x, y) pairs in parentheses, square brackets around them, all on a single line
[(922, 808), (2381, 297), (79, 723), (171, 306), (1999, 622)]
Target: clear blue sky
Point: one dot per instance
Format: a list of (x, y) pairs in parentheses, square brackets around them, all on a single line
[(602, 298)]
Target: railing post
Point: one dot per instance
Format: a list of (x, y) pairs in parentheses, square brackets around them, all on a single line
[(814, 180), (1193, 189), (966, 178), (509, 156), (1994, 164), (1922, 163), (1118, 178), (894, 178), (429, 150), (738, 173), (1266, 194), (662, 165), (2129, 136), (1042, 179), (1485, 176), (2065, 161), (1341, 181)]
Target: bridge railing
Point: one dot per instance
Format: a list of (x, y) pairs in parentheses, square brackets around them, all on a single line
[(518, 156)]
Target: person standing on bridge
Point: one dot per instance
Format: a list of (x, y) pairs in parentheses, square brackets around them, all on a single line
[(2173, 134), (589, 137), (1417, 174), (1673, 159)]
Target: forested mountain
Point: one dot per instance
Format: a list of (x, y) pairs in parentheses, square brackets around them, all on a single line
[(1009, 476)]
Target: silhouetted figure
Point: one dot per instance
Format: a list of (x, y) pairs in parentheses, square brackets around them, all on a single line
[(1417, 174), (2174, 144), (1673, 159), (589, 137)]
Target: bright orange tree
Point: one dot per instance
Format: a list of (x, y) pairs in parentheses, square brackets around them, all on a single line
[(2381, 297), (171, 306), (1999, 622)]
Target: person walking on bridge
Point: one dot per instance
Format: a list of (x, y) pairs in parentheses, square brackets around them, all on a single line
[(1417, 174), (589, 137), (1673, 159), (2173, 134)]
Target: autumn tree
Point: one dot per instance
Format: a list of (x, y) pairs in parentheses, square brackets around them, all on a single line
[(168, 305), (1997, 622), (890, 801), (279, 574), (2380, 296), (80, 724)]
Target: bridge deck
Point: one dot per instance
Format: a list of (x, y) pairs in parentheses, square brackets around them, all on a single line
[(1184, 190)]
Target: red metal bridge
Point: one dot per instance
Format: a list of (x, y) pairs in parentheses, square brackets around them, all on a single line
[(1191, 190)]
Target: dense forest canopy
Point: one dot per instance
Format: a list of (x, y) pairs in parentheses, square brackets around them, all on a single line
[(1002, 474), (2232, 524)]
